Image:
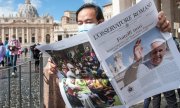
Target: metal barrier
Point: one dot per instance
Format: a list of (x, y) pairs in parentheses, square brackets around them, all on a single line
[(25, 90)]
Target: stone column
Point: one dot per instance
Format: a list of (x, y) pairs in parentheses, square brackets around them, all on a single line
[(3, 36), (120, 5), (124, 4), (27, 34), (116, 7), (22, 35), (172, 13), (167, 8), (30, 35), (43, 35), (158, 4), (138, 1), (17, 33), (51, 35), (36, 35), (10, 35)]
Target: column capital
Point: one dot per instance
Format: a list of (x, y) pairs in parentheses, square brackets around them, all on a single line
[(22, 38)]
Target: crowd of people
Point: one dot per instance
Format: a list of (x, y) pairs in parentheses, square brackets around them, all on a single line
[(85, 83), (11, 50)]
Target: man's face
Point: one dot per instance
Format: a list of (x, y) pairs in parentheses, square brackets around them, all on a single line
[(158, 52), (87, 16)]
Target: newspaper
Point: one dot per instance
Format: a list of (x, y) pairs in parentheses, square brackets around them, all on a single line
[(83, 81), (119, 62), (133, 34)]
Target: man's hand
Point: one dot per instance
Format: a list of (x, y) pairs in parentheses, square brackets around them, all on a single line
[(163, 24), (50, 67), (138, 50)]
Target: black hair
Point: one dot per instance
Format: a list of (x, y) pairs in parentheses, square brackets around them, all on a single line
[(99, 14)]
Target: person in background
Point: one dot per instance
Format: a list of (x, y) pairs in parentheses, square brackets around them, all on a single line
[(14, 45), (2, 53), (178, 47), (25, 51), (32, 49), (36, 55), (7, 56), (90, 15), (177, 43), (19, 53)]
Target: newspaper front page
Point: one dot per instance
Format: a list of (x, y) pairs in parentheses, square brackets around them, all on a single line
[(140, 59)]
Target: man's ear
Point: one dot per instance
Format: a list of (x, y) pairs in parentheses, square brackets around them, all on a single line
[(100, 21)]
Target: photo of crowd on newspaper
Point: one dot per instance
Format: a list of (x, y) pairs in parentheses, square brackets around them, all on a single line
[(85, 82), (142, 56)]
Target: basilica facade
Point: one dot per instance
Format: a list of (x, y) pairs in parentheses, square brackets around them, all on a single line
[(28, 27)]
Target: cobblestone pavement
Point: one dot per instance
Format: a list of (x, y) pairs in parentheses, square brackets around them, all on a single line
[(15, 88)]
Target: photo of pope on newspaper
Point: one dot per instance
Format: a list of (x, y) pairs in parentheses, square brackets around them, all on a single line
[(140, 57), (85, 83)]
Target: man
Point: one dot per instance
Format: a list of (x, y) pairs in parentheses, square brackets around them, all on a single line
[(2, 54), (14, 46), (36, 55), (89, 15), (177, 43), (7, 56), (25, 50)]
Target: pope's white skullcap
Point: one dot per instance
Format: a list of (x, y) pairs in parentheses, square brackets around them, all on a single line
[(158, 40)]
